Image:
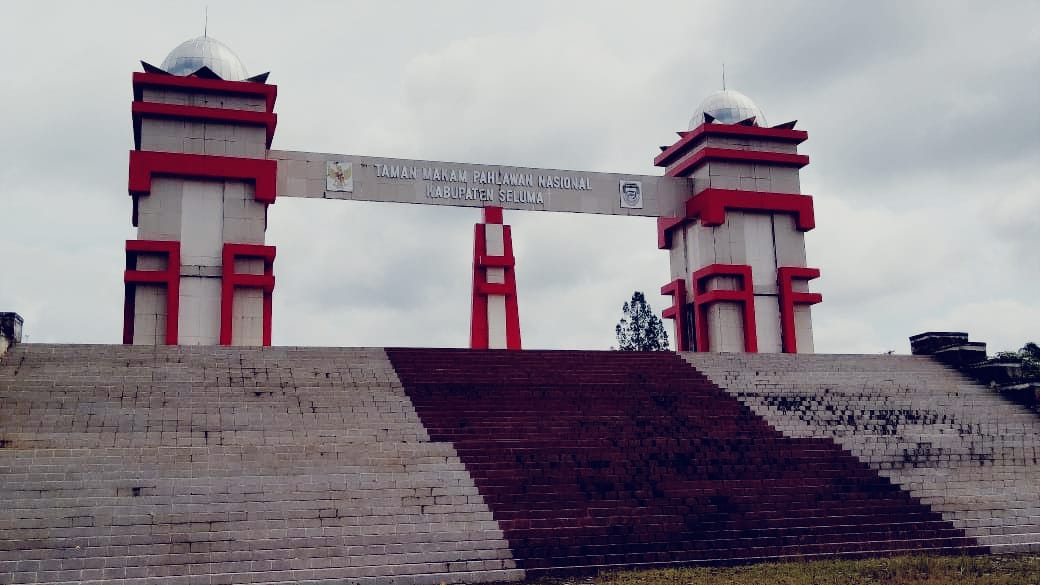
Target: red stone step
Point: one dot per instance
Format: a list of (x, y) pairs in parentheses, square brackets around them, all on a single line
[(592, 458)]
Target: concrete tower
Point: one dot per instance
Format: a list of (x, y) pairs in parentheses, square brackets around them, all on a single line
[(201, 182), (738, 266)]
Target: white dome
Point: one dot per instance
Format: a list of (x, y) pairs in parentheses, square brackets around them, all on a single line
[(727, 107), (190, 56)]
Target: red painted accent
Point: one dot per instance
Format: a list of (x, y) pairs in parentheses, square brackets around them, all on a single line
[(789, 298), (478, 321), (710, 205), (145, 164), (170, 277), (712, 154), (240, 88), (704, 298), (232, 280), (494, 288), (478, 336), (665, 225), (493, 215), (590, 459), (728, 130), (677, 290), (141, 110)]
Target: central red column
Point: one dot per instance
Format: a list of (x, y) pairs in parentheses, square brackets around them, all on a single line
[(495, 320)]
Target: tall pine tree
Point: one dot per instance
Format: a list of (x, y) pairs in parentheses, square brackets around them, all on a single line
[(639, 328)]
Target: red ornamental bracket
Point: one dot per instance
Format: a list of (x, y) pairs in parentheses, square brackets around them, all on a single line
[(711, 205), (665, 225), (704, 298), (789, 298), (146, 164), (169, 277), (677, 290), (482, 261), (232, 280)]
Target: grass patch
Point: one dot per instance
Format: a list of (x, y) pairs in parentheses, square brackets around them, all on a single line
[(904, 570)]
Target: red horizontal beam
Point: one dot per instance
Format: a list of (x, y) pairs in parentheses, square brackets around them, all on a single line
[(145, 276), (138, 110), (243, 88), (252, 251), (712, 154), (727, 130), (496, 288), (496, 261), (165, 246)]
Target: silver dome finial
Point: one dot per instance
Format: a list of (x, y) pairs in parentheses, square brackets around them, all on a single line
[(727, 107), (205, 51)]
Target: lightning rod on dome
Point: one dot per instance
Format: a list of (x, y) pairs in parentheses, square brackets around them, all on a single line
[(205, 21), (723, 76)]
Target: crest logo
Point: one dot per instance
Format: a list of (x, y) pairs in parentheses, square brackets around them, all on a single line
[(339, 176), (631, 194)]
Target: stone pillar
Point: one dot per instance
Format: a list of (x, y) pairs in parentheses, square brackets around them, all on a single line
[(201, 181), (495, 317), (10, 330), (738, 245)]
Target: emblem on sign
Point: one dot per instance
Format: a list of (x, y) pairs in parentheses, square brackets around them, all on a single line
[(339, 176), (631, 194)]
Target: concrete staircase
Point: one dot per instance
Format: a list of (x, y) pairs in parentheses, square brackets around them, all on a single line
[(957, 446), (185, 465), (591, 459), (172, 465)]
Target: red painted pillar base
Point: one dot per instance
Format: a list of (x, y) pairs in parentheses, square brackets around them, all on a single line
[(677, 290), (232, 280), (495, 311)]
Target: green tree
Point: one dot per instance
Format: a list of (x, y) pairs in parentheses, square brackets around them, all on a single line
[(639, 328), (1028, 356)]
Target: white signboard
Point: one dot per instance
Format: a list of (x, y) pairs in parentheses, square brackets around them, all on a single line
[(362, 178)]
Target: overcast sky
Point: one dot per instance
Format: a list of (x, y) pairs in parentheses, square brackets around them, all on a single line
[(924, 136)]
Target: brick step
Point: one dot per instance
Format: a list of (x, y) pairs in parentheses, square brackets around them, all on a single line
[(826, 514), (535, 443), (420, 574), (574, 544), (538, 566), (620, 527), (178, 542), (950, 443), (290, 558), (240, 457), (781, 517)]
